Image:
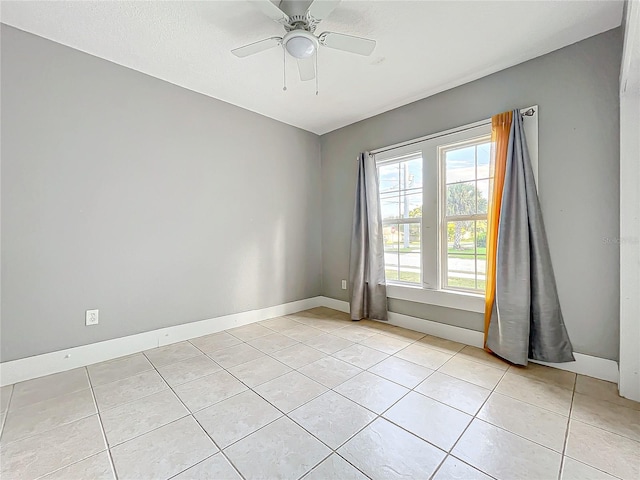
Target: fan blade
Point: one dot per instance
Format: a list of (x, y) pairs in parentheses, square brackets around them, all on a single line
[(257, 47), (320, 9), (347, 43), (306, 68), (271, 11)]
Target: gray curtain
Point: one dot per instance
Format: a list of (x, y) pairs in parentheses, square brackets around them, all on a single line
[(526, 321), (366, 270)]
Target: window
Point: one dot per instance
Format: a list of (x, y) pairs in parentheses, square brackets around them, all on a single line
[(433, 198), (465, 188)]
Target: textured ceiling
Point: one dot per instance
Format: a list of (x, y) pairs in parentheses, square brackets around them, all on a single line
[(424, 47)]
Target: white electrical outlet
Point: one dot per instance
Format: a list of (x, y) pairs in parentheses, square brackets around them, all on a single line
[(91, 318), (344, 284)]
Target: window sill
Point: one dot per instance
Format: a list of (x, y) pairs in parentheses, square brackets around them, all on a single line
[(470, 302)]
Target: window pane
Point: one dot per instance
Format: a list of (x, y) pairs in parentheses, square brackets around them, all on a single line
[(461, 255), (484, 154), (411, 204), (461, 199), (413, 173), (390, 235), (410, 255), (388, 178), (482, 193), (460, 164), (481, 253), (390, 206)]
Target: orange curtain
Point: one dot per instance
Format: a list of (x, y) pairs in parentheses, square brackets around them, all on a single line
[(500, 127)]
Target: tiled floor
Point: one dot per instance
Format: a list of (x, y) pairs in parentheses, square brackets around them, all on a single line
[(314, 395)]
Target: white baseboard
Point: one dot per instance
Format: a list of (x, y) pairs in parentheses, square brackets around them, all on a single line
[(67, 359), (596, 367), (62, 360)]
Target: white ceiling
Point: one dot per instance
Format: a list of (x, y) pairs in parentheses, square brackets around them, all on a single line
[(424, 47)]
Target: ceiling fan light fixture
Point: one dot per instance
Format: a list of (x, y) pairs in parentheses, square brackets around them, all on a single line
[(300, 44)]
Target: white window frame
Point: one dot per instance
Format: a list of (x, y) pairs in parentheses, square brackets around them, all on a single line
[(431, 291)]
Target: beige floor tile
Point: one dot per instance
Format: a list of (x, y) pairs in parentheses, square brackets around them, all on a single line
[(504, 455), (278, 324), (43, 388), (35, 456), (360, 356), (403, 333), (128, 389), (281, 450), (454, 392), (236, 355), (215, 341), (136, 418), (537, 393), (479, 374), (574, 470), (606, 415), (216, 467), (236, 417), (386, 344), (383, 450), (97, 467), (335, 468), (604, 450), (164, 452), (421, 355), (332, 418), (173, 353), (371, 391), (117, 369), (188, 370), (554, 376), (442, 344), (48, 414), (298, 355), (531, 422), (259, 371), (482, 356), (272, 343), (5, 396), (322, 311), (328, 324), (401, 371), (454, 469), (603, 391), (208, 390), (302, 333), (376, 326), (431, 420), (250, 332), (290, 391), (329, 343), (354, 333), (330, 371)]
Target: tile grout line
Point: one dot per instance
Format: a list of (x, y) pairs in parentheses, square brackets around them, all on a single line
[(104, 433), (6, 412)]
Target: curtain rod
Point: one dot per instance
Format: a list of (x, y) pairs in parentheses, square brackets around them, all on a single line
[(529, 112)]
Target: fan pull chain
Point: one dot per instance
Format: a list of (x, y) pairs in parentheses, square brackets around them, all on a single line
[(284, 70), (317, 72)]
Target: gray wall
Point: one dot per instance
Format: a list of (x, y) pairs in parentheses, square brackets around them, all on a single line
[(576, 89), (152, 203)]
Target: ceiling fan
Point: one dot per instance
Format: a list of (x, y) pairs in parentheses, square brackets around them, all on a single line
[(300, 41)]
